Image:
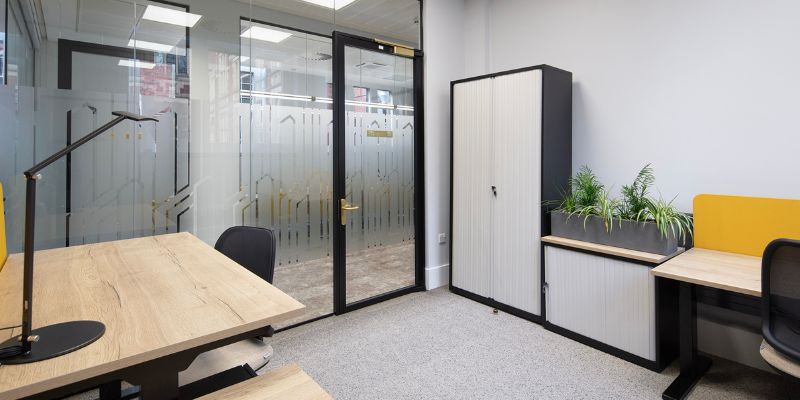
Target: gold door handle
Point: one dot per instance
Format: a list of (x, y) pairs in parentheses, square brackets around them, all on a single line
[(345, 207)]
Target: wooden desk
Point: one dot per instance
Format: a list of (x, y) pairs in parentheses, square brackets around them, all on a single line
[(727, 271), (289, 382), (164, 300)]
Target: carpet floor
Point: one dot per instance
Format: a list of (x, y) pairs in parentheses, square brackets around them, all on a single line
[(436, 345)]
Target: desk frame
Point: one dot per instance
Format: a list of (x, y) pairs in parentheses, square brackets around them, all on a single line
[(158, 378)]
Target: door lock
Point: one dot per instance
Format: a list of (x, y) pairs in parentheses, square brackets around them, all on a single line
[(345, 207)]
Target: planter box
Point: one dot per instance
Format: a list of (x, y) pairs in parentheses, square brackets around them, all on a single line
[(640, 236)]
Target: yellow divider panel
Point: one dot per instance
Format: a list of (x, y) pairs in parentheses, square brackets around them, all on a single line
[(3, 249), (743, 225)]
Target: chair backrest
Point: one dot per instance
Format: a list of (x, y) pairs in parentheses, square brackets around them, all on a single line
[(251, 247), (780, 296), (3, 244)]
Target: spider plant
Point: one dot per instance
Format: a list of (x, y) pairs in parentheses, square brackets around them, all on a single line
[(668, 219), (583, 190), (633, 205), (604, 207)]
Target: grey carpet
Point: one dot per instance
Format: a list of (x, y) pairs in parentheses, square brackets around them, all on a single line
[(436, 345)]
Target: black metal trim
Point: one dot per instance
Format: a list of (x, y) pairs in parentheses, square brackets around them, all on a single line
[(508, 72), (308, 321), (496, 304), (340, 305), (165, 366), (750, 305), (178, 218), (258, 21), (606, 348), (68, 173)]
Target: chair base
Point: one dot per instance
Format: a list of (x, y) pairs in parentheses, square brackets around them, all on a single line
[(779, 361)]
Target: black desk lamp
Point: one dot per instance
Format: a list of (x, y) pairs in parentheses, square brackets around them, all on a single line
[(53, 340)]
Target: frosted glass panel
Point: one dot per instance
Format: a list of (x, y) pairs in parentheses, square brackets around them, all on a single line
[(379, 157), (285, 162)]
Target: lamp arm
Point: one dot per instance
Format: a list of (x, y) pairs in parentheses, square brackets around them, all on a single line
[(31, 176), (121, 116)]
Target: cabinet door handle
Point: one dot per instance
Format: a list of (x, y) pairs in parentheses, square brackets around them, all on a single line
[(494, 191)]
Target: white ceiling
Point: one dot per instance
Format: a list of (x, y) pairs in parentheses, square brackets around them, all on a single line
[(389, 19)]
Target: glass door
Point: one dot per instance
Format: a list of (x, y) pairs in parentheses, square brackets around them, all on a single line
[(378, 240)]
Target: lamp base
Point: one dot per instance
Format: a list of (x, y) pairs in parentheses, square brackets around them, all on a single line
[(56, 340)]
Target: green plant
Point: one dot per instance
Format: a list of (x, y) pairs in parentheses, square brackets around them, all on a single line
[(586, 188), (633, 205), (586, 196), (605, 207), (668, 219), (583, 190)]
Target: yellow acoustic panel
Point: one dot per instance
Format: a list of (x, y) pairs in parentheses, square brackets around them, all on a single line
[(3, 249), (743, 225)]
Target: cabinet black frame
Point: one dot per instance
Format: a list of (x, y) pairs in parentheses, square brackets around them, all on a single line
[(556, 165)]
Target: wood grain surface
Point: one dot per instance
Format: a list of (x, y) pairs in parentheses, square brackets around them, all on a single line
[(156, 295)]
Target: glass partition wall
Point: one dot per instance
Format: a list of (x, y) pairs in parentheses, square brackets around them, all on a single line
[(243, 91)]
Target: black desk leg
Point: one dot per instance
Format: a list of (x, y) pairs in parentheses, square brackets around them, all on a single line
[(111, 391), (159, 386), (693, 366)]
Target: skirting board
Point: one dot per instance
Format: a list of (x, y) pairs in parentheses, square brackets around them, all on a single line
[(437, 276)]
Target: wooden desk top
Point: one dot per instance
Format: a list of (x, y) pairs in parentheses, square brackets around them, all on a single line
[(289, 382), (727, 271), (156, 295), (610, 250)]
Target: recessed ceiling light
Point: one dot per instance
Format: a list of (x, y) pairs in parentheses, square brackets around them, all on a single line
[(136, 64), (143, 44), (170, 16), (265, 34), (334, 4)]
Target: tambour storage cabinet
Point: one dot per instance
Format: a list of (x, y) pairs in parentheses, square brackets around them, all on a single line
[(511, 153)]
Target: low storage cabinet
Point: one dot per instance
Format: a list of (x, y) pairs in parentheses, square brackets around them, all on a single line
[(610, 301)]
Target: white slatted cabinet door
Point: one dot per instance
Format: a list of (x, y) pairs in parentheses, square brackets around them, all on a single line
[(472, 157), (517, 176)]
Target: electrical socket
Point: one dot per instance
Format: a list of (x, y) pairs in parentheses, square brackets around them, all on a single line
[(442, 238)]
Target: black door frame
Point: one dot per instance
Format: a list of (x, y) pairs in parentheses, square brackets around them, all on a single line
[(340, 42)]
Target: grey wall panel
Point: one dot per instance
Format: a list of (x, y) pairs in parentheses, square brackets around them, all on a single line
[(607, 300), (472, 144), (516, 132)]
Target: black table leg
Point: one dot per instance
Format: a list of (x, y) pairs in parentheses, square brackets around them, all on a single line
[(111, 391), (693, 366), (159, 386)]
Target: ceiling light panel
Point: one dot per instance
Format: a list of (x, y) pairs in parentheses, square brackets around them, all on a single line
[(334, 4), (170, 16), (143, 44), (265, 34), (136, 64)]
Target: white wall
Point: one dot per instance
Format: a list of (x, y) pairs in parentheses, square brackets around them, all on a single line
[(705, 90), (444, 47)]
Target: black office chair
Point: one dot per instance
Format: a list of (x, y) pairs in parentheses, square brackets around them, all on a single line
[(780, 313), (253, 248)]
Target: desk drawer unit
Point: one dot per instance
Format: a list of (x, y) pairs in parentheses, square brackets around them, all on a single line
[(609, 303)]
